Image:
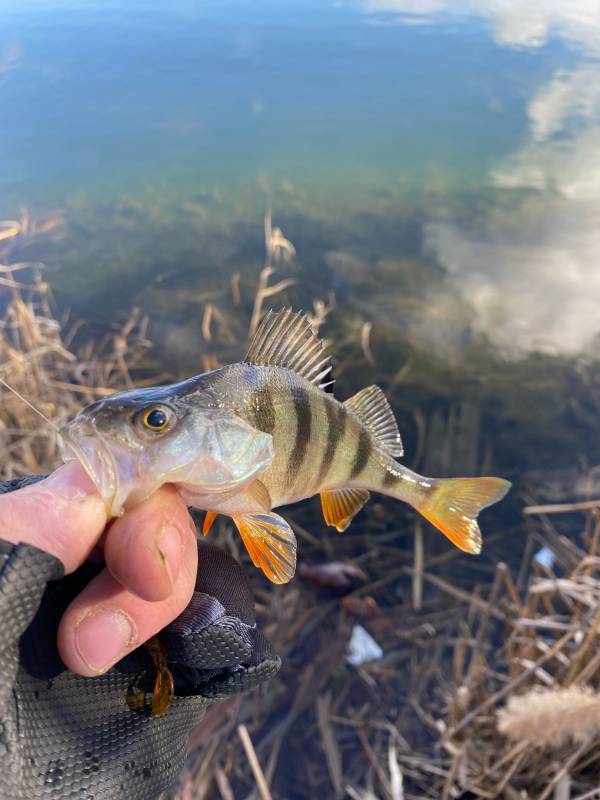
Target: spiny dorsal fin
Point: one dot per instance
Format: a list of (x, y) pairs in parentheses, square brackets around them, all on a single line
[(286, 339), (374, 411)]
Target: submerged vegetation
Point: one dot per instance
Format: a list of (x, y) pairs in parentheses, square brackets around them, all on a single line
[(468, 678), (40, 362)]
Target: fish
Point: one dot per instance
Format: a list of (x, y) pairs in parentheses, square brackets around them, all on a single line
[(247, 438)]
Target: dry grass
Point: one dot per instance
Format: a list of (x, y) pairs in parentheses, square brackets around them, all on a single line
[(524, 716), (39, 360), (552, 717), (423, 721), (468, 678)]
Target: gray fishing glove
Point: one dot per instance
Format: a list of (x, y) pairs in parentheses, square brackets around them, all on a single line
[(64, 736)]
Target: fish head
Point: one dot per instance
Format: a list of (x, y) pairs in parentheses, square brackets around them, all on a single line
[(133, 442)]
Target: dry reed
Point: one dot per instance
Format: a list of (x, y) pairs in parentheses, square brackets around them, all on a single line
[(552, 717), (39, 360), (468, 678)]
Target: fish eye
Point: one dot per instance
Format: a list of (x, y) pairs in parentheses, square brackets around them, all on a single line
[(156, 419)]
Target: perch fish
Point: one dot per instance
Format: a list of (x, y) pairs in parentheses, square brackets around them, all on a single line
[(249, 437)]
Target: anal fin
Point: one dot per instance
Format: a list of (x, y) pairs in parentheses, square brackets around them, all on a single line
[(340, 506), (271, 544)]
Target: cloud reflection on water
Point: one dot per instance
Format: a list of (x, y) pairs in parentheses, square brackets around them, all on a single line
[(517, 23), (11, 57), (531, 273)]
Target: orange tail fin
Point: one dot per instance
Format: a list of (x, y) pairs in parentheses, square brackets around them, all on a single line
[(452, 505)]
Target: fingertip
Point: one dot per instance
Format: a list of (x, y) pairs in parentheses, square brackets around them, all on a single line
[(105, 621), (146, 548), (100, 638)]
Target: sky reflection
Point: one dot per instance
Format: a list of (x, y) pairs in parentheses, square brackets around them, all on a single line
[(528, 266), (516, 23), (474, 127)]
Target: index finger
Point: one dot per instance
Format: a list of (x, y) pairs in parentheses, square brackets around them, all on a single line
[(62, 514)]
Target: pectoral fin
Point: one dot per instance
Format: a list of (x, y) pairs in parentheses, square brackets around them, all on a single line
[(260, 494), (340, 506), (271, 544)]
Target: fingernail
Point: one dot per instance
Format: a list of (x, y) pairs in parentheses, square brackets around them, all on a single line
[(102, 637), (169, 545), (71, 481)]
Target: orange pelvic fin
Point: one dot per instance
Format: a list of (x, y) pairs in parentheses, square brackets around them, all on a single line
[(271, 544), (340, 506), (209, 518), (454, 503)]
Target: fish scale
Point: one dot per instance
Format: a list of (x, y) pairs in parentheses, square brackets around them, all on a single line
[(249, 437)]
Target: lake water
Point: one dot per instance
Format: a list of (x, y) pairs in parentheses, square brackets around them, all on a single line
[(436, 165)]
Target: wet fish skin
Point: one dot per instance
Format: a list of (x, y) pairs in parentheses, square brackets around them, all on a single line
[(250, 437), (318, 443), (205, 444), (321, 445)]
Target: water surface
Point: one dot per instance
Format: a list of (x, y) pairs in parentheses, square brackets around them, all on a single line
[(436, 165)]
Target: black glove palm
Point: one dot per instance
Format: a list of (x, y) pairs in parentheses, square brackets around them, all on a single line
[(63, 736)]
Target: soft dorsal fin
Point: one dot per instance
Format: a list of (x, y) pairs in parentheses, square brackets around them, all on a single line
[(374, 411), (286, 339)]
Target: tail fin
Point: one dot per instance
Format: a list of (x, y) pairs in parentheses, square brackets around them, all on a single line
[(452, 505)]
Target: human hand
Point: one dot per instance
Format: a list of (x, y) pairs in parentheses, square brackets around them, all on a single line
[(66, 735), (150, 554)]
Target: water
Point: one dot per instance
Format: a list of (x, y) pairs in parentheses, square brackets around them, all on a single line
[(113, 97), (436, 165)]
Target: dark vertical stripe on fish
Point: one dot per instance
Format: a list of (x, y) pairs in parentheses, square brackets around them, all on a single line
[(364, 448), (336, 427), (303, 429), (262, 409)]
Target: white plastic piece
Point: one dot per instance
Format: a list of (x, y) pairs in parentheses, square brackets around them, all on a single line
[(546, 557), (362, 647)]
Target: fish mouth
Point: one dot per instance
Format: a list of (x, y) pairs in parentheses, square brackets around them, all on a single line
[(94, 455)]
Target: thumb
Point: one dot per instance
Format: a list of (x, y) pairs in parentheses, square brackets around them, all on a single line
[(62, 514)]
